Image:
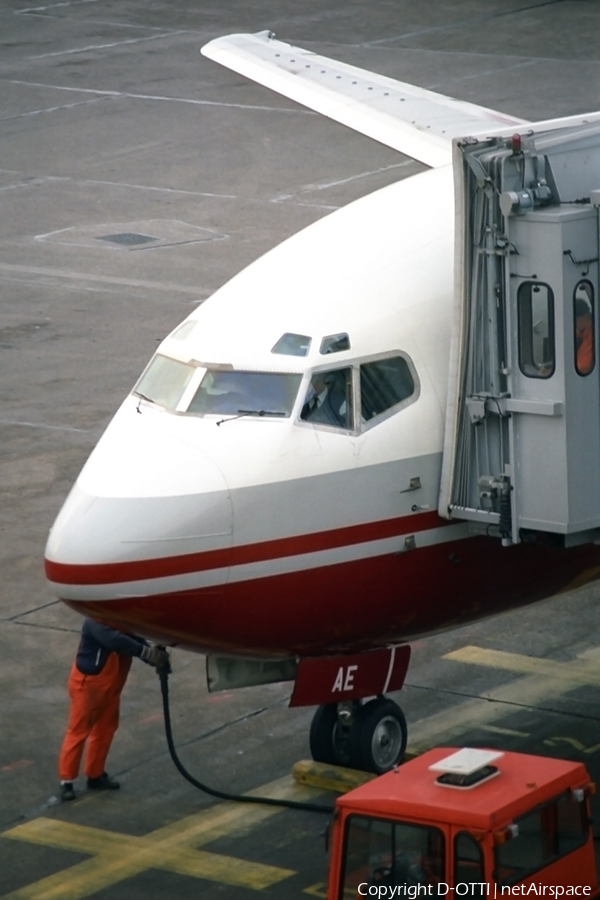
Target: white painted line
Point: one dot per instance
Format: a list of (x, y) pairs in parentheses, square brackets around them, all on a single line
[(123, 184), (9, 268), (150, 187), (120, 95), (13, 187), (153, 37), (51, 109), (47, 427), (31, 9), (330, 184), (324, 187), (442, 86)]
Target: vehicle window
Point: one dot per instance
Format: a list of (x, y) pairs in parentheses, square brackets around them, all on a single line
[(383, 384), (468, 864), (164, 381), (329, 399), (379, 853), (334, 343), (246, 393), (535, 303), (552, 831), (292, 344), (583, 324)]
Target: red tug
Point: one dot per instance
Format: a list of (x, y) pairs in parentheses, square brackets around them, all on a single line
[(470, 823)]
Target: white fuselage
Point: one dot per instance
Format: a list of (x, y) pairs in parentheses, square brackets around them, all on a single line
[(176, 503)]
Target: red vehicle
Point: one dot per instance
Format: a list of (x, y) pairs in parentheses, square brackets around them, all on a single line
[(470, 823)]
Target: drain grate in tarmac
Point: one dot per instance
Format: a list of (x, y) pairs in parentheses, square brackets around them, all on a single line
[(143, 234), (129, 238)]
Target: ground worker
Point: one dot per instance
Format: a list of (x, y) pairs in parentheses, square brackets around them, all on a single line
[(584, 337), (96, 680)]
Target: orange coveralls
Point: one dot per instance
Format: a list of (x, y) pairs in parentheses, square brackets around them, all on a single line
[(585, 347), (94, 717)]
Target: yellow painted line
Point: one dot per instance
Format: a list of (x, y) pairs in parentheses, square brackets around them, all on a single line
[(581, 671), (101, 872), (543, 680), (510, 732), (173, 848), (585, 577), (125, 855), (316, 890), (54, 833)]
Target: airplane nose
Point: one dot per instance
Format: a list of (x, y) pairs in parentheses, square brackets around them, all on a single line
[(148, 506)]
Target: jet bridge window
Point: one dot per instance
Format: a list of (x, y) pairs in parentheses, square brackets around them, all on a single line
[(383, 384), (229, 392), (329, 399), (535, 303), (584, 327), (164, 381), (382, 854)]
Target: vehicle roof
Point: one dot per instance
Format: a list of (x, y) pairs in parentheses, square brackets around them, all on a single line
[(524, 782)]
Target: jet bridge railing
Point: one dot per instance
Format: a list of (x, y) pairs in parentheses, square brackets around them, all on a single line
[(522, 444)]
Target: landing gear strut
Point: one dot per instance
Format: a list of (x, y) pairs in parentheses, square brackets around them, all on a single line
[(371, 737)]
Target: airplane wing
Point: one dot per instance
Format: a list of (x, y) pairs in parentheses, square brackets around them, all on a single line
[(415, 121)]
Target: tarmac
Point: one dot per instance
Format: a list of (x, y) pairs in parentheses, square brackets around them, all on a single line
[(111, 122)]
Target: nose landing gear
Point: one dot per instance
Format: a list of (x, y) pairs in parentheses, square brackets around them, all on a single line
[(371, 737)]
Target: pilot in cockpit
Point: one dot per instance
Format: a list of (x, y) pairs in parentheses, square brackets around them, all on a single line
[(327, 401)]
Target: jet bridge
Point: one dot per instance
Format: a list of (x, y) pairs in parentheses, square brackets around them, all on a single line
[(522, 445)]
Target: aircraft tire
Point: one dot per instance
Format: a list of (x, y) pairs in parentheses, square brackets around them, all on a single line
[(379, 736), (329, 740)]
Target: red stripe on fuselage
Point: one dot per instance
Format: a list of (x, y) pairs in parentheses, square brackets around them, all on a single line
[(356, 605), (142, 569)]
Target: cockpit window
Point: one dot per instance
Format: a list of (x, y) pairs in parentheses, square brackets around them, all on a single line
[(292, 344), (334, 343), (329, 399), (383, 384), (164, 381), (246, 393), (183, 331)]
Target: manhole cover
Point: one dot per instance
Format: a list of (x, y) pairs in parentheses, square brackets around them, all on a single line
[(140, 234), (127, 237)]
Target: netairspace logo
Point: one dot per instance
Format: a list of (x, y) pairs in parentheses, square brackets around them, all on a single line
[(470, 889)]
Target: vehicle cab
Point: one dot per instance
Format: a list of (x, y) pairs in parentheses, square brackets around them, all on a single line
[(471, 823)]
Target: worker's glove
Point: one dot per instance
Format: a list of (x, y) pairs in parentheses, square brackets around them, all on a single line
[(157, 657), (163, 666)]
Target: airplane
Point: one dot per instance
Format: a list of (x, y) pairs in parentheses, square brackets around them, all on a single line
[(268, 493)]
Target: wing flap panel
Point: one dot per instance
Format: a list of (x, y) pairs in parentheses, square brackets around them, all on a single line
[(412, 120)]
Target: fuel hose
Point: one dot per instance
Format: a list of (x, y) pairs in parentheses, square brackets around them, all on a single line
[(163, 674)]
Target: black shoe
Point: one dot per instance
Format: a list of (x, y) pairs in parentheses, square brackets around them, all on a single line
[(67, 792), (103, 783)]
